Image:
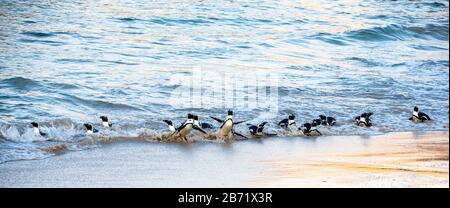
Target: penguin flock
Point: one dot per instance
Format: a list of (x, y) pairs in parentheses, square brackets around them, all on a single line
[(226, 127)]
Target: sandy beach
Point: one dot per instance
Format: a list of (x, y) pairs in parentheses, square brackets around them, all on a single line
[(391, 160)]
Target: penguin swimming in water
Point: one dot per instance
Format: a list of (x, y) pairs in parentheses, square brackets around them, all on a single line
[(226, 127), (288, 123), (364, 120), (326, 120), (90, 129), (419, 116), (318, 121), (37, 131), (310, 129), (202, 125), (105, 122), (185, 128), (257, 131)]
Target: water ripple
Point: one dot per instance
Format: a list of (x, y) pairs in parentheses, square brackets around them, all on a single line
[(71, 62)]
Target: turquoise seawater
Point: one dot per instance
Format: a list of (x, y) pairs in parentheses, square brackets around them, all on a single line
[(65, 63)]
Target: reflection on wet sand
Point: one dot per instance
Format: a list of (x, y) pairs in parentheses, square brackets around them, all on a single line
[(394, 160)]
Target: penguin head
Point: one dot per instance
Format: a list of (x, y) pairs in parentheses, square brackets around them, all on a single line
[(104, 118), (369, 114), (88, 126), (322, 117), (190, 118), (416, 109), (35, 125), (230, 112), (363, 115), (291, 116), (313, 124), (195, 118)]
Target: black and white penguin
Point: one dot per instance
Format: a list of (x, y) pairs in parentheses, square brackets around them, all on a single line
[(170, 124), (419, 116), (318, 121), (288, 123), (105, 122), (37, 131), (364, 120), (258, 130), (226, 126), (90, 129), (327, 121), (310, 129), (186, 128), (201, 124)]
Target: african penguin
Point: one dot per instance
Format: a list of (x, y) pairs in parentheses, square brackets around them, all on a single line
[(105, 121), (364, 120), (37, 131), (258, 130), (288, 123), (419, 116), (90, 129), (201, 124), (226, 126), (170, 124), (187, 127), (327, 121), (310, 129)]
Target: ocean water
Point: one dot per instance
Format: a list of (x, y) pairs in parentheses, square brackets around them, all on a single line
[(65, 63)]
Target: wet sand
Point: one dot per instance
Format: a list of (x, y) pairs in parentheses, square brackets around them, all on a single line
[(395, 160), (391, 160)]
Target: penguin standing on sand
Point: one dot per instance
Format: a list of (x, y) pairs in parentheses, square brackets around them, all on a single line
[(226, 127), (419, 116), (364, 120), (37, 131), (327, 121), (105, 122), (258, 131), (288, 123), (90, 129)]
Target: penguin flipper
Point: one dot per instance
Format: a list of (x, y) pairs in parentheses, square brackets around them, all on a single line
[(240, 135), (283, 123), (199, 129), (217, 119), (239, 122), (320, 134), (424, 117)]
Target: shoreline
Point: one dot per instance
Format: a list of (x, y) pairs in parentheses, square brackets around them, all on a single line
[(400, 159)]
